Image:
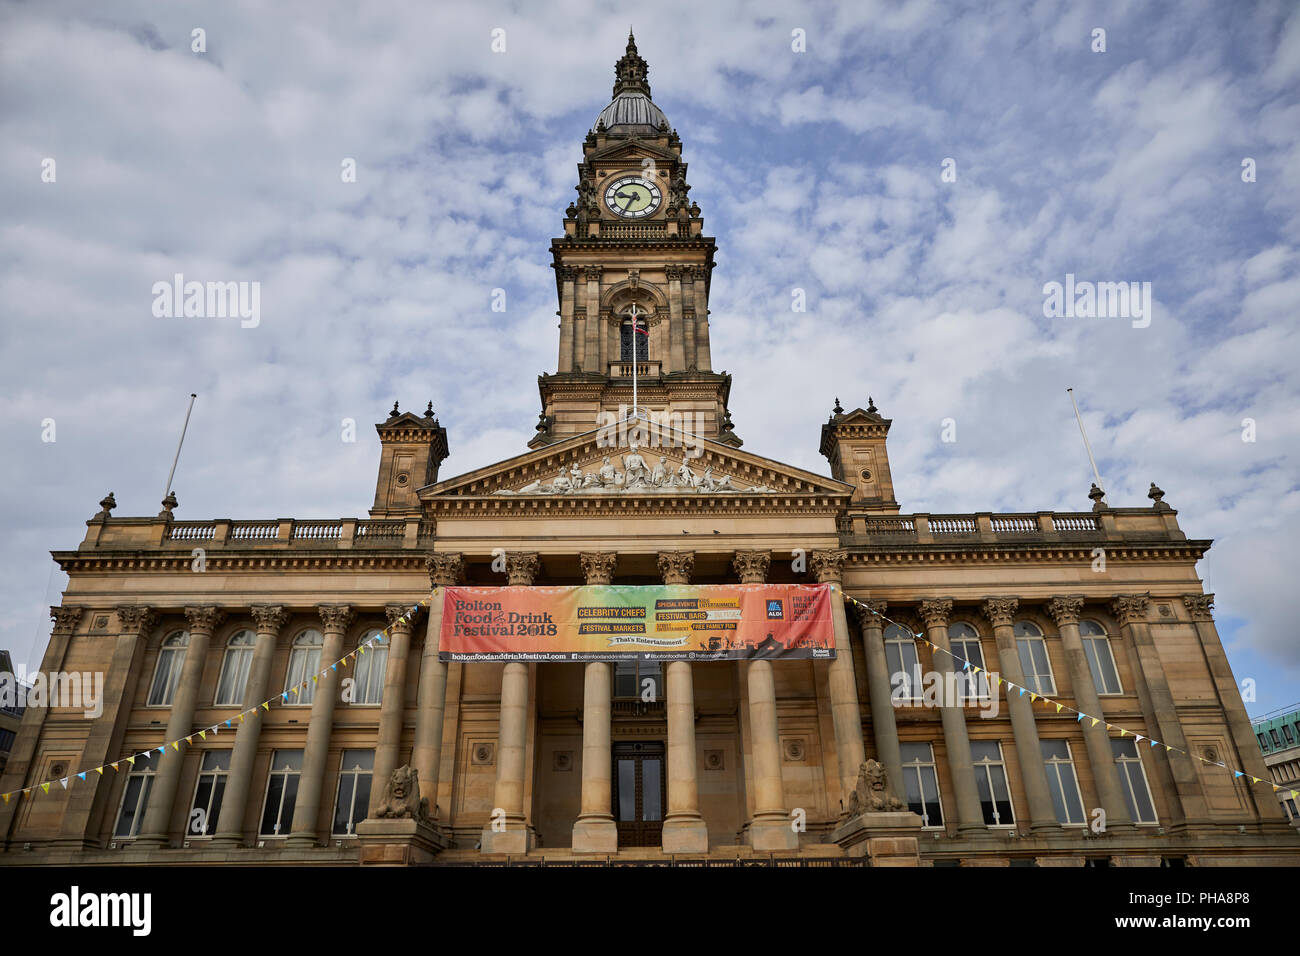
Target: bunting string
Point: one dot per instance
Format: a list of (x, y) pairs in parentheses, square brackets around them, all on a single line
[(228, 723), (1080, 716)]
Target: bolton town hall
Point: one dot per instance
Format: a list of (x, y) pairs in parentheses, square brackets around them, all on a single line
[(637, 642)]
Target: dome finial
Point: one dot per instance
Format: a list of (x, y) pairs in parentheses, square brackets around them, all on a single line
[(630, 72)]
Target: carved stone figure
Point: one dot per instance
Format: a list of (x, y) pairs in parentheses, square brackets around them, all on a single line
[(685, 476), (706, 481), (608, 474), (659, 477), (402, 797), (562, 483), (635, 470), (872, 793)]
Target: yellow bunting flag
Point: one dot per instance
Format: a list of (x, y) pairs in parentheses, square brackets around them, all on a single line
[(1058, 708), (1122, 731), (100, 771), (266, 705), (176, 746), (1033, 698), (203, 735), (1095, 721), (131, 761), (6, 796), (45, 787)]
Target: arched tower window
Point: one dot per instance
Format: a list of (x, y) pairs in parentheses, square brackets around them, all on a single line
[(631, 336)]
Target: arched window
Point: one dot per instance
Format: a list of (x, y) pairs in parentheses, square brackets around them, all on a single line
[(634, 336), (234, 669), (964, 641), (370, 671), (904, 669), (304, 661), (1101, 660), (1034, 662), (168, 672)]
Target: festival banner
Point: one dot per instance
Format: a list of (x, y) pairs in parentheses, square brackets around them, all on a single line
[(669, 622)]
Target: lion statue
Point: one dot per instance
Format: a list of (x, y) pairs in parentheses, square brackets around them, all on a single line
[(872, 793), (402, 797)]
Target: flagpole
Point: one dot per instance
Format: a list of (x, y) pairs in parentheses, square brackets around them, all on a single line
[(1087, 447), (168, 490)]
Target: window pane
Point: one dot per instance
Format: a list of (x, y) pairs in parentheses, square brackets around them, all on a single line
[(1055, 748), (274, 791), (913, 752), (216, 760), (160, 694), (1121, 747), (627, 790), (358, 760), (985, 750), (126, 820), (343, 804), (1073, 802), (625, 679), (650, 772)]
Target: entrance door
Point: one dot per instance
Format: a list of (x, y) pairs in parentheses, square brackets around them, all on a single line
[(640, 793)]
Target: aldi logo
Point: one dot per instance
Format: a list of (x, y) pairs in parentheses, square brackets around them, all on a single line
[(775, 611)]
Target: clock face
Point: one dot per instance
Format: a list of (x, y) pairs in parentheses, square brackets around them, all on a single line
[(632, 197)]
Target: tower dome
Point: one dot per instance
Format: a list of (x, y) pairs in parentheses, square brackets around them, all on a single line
[(631, 112)]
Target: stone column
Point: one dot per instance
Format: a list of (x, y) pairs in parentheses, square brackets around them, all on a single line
[(267, 621), (700, 274), (1158, 705), (512, 736), (592, 360), (86, 805), (850, 751), (880, 692), (1065, 612), (154, 830), (392, 709), (445, 569), (1249, 757), (684, 828), (970, 817), (1033, 772), (676, 328), (568, 276), (335, 619), (19, 766), (595, 830)]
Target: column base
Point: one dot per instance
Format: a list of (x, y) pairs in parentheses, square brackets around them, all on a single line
[(300, 840), (595, 835), (228, 841), (771, 833), (685, 834), (152, 841), (514, 840)]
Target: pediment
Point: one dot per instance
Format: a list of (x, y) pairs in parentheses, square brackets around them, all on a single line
[(576, 468), (631, 150)]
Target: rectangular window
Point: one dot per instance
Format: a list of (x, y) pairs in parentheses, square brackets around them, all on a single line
[(135, 797), (352, 799), (904, 670), (1036, 665), (208, 793), (6, 740), (1263, 741), (1063, 783), (166, 675), (991, 782), (630, 679), (1101, 661), (1277, 741), (281, 792), (370, 675), (1286, 733), (970, 684), (1134, 779), (921, 784)]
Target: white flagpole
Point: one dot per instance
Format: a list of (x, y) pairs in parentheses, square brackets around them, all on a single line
[(1087, 447), (168, 490)]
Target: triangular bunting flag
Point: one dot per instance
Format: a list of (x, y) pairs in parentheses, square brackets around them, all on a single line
[(130, 760), (64, 781), (82, 775), (1095, 721), (203, 735), (266, 705), (45, 787), (176, 746), (100, 771), (114, 766)]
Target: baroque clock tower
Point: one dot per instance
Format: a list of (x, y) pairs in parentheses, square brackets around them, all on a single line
[(632, 275)]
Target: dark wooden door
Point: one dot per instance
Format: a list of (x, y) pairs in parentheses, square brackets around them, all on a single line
[(640, 792)]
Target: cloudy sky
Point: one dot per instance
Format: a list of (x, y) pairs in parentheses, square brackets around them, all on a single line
[(817, 170)]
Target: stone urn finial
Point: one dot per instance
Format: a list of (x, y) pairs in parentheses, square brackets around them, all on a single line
[(169, 504), (1097, 496), (107, 504), (871, 405), (428, 411), (394, 412), (1157, 497), (839, 409)]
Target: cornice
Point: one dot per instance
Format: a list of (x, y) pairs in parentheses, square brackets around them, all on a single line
[(977, 553)]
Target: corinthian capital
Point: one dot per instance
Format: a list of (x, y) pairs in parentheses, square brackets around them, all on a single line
[(445, 568), (865, 617), (336, 617), (268, 618), (828, 566), (204, 619), (1130, 608), (676, 566), (593, 273), (1200, 606), (935, 613), (598, 566), (135, 618), (65, 618), (751, 566), (1065, 610), (397, 617), (521, 567), (1001, 611)]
